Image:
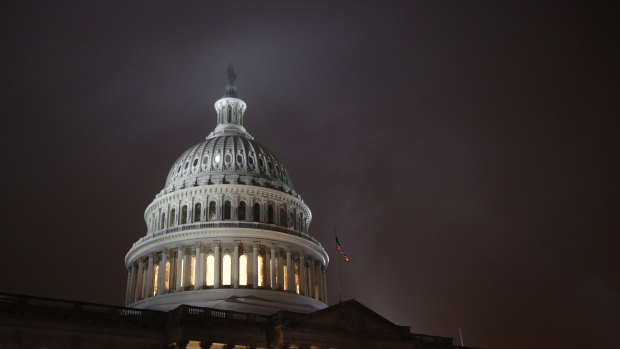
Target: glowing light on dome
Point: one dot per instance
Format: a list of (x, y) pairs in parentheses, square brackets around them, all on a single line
[(261, 277), (155, 278), (192, 272), (226, 269), (167, 279), (210, 270)]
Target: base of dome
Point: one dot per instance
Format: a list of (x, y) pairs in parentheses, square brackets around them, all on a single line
[(257, 301)]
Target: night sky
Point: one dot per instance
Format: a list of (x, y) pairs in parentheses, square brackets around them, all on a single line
[(466, 153)]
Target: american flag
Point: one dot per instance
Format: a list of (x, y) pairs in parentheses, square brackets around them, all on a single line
[(339, 248)]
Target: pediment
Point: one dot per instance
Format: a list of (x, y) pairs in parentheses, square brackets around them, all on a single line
[(350, 317)]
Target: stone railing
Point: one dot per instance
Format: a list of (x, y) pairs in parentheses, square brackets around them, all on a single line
[(231, 224), (20, 303), (24, 304), (221, 314)]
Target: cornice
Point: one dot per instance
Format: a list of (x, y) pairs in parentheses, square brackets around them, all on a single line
[(221, 189), (158, 243)]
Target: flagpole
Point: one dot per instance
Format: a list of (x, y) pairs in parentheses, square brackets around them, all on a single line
[(338, 277), (338, 267)]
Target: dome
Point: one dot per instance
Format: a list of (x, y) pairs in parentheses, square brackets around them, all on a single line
[(229, 159), (228, 231)]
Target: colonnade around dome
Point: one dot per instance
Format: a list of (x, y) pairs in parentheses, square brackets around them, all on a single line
[(227, 203), (226, 264)]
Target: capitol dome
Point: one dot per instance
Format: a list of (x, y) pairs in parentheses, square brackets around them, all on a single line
[(232, 159), (228, 231)]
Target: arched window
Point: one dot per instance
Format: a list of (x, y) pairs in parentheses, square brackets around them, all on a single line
[(241, 211), (226, 270), (192, 272), (167, 279), (256, 212), (297, 278), (227, 209), (163, 221), (285, 277), (172, 217), (197, 209), (243, 270), (184, 214), (212, 211), (270, 214), (261, 277), (155, 278), (282, 216), (210, 270)]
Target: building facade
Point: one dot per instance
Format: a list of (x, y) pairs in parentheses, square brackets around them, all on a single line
[(227, 262)]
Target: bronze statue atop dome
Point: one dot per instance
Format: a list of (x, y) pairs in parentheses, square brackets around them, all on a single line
[(231, 90)]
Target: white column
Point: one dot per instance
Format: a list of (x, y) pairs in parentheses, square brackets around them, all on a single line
[(235, 265), (302, 275), (149, 278), (187, 261), (200, 258), (203, 266), (172, 282), (218, 261), (178, 278), (130, 274), (290, 269), (190, 217), (218, 206), (167, 217), (272, 267), (280, 270), (319, 282), (139, 282), (161, 278), (310, 277), (255, 265), (324, 285)]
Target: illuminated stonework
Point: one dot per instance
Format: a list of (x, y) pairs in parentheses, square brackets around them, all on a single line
[(227, 231)]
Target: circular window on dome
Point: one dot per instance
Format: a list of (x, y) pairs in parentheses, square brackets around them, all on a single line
[(186, 164), (179, 169), (205, 159), (239, 158), (269, 165), (228, 158), (260, 163), (195, 162), (251, 160), (217, 158)]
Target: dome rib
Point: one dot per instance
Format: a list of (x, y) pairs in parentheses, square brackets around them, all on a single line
[(272, 174)]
